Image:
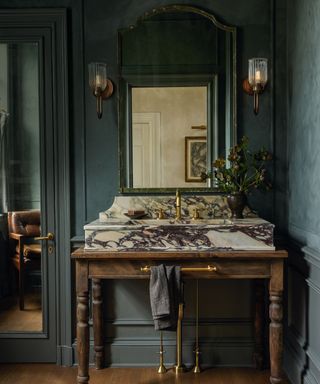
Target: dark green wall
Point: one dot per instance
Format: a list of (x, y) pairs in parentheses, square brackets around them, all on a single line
[(93, 27), (227, 327), (162, 42), (303, 336), (102, 20)]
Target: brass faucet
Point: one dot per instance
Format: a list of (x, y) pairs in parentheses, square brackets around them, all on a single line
[(178, 205), (160, 214), (196, 215)]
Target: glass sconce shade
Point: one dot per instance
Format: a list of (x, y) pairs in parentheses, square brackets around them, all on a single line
[(258, 73), (257, 79), (97, 77), (100, 85)]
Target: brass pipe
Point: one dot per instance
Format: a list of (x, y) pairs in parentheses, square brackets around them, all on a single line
[(162, 368), (209, 268), (196, 368), (178, 368)]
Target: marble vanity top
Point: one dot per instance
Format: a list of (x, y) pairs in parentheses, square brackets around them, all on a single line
[(114, 231)]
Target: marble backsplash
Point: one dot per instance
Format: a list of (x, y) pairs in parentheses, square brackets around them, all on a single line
[(114, 231), (209, 207)]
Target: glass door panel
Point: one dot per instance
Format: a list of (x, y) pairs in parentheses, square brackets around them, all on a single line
[(22, 254)]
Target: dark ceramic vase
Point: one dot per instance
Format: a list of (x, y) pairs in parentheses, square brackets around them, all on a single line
[(236, 202)]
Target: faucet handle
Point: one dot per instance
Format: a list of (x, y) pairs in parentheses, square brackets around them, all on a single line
[(160, 214), (215, 208), (196, 215)]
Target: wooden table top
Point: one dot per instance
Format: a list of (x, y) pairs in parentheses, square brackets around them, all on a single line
[(82, 253)]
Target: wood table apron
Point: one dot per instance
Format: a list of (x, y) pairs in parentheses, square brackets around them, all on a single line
[(98, 265)]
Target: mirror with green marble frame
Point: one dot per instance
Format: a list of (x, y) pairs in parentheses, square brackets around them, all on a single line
[(177, 99)]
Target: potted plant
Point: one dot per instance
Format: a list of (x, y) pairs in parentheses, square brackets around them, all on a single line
[(246, 171)]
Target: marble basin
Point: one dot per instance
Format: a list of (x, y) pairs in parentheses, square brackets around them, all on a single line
[(120, 234)]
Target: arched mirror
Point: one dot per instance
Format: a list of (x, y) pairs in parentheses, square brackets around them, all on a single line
[(177, 103)]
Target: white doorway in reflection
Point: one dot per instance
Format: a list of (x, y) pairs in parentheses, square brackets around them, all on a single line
[(146, 145)]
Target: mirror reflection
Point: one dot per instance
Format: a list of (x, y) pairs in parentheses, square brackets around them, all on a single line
[(164, 120), (177, 100), (20, 195)]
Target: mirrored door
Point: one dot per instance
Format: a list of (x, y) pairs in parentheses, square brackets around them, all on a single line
[(23, 266), (34, 233)]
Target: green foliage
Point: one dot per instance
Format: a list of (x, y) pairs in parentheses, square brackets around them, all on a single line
[(247, 169)]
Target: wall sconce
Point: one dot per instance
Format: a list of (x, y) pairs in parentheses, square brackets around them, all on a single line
[(101, 86), (257, 80)]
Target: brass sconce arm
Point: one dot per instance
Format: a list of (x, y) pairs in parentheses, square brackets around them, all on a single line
[(255, 92)]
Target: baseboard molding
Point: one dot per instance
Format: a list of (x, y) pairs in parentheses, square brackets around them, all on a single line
[(65, 355), (206, 321), (301, 361), (144, 352)]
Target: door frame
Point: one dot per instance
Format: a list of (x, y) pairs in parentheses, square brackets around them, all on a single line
[(48, 27), (152, 120)]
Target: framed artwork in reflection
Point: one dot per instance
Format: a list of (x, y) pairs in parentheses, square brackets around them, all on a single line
[(195, 158)]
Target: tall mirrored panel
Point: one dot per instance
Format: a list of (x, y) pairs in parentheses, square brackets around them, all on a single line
[(21, 266)]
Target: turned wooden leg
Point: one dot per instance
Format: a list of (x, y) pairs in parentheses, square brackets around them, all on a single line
[(258, 324), (275, 329), (82, 323), (97, 322)]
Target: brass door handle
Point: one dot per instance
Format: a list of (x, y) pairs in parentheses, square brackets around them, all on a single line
[(50, 236)]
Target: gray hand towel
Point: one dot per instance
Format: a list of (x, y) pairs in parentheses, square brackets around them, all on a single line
[(165, 295)]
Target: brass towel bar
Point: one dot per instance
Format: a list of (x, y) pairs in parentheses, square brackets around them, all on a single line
[(209, 268)]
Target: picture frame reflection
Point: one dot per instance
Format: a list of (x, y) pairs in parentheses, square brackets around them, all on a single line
[(195, 158)]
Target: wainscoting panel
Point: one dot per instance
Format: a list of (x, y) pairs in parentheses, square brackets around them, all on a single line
[(144, 352), (302, 341), (225, 339), (313, 329)]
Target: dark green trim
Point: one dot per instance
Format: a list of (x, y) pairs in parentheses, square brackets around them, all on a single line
[(150, 70), (227, 321), (65, 355), (142, 352), (183, 8), (48, 27)]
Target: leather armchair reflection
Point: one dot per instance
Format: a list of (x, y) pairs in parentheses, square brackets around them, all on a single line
[(24, 226)]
